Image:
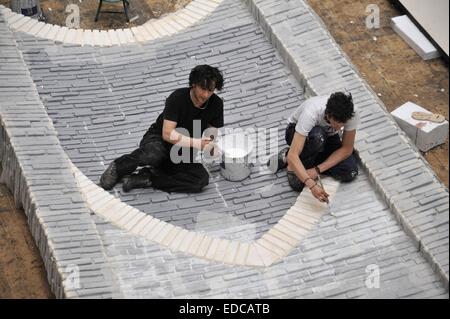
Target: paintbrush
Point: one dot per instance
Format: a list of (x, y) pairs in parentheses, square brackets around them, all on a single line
[(327, 200)]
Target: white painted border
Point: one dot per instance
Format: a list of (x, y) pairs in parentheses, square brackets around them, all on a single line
[(277, 243), (151, 30)]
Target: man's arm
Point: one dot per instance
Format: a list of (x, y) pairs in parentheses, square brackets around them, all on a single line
[(348, 141), (170, 134), (296, 165)]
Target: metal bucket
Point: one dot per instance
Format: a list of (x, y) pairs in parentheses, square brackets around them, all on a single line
[(29, 8), (236, 150)]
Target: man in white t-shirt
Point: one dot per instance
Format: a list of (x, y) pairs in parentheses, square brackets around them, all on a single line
[(315, 144)]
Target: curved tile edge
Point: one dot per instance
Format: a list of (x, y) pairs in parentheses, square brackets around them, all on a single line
[(274, 245), (153, 29)]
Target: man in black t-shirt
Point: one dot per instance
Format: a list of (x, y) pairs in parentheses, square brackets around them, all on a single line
[(168, 149)]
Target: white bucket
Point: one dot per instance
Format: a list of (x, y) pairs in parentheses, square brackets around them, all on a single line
[(236, 150)]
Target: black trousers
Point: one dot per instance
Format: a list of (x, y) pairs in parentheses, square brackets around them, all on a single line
[(153, 155), (318, 147)]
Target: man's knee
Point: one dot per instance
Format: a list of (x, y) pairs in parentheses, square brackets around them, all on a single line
[(154, 154), (316, 140), (294, 182), (203, 179), (200, 179), (346, 171)]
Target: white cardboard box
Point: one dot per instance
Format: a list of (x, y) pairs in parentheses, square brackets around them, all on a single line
[(424, 134)]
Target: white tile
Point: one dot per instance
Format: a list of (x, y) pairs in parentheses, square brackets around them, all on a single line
[(266, 255), (121, 36), (79, 35), (198, 238), (280, 251), (302, 217), (115, 215), (171, 235), (187, 241), (253, 258), (162, 28), (51, 35), (20, 22), (36, 28), (128, 217), (7, 12), (180, 20), (138, 34), (141, 225), (61, 34), (134, 221), (108, 206), (212, 248), (106, 198), (147, 229), (192, 13), (113, 38), (28, 26), (123, 216), (96, 41), (221, 250), (88, 38), (231, 252), (115, 210), (70, 36), (281, 244), (105, 38), (43, 32), (296, 236), (241, 254), (163, 233), (207, 3), (14, 18), (284, 237), (191, 20), (176, 242), (293, 227), (170, 21), (149, 26), (299, 223), (155, 230), (129, 36), (204, 246), (199, 8)]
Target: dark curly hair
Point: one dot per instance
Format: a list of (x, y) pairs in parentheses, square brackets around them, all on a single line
[(207, 77), (340, 107)]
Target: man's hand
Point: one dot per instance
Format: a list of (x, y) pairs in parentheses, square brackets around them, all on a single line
[(319, 193), (205, 142)]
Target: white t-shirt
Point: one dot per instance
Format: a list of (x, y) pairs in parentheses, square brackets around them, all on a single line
[(312, 113)]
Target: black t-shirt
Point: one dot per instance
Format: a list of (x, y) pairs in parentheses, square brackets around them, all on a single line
[(179, 108)]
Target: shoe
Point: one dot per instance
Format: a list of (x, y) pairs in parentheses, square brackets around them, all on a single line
[(278, 161), (109, 177), (432, 117), (136, 180)]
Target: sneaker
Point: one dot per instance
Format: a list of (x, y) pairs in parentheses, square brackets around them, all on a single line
[(109, 177), (136, 180), (278, 161)]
